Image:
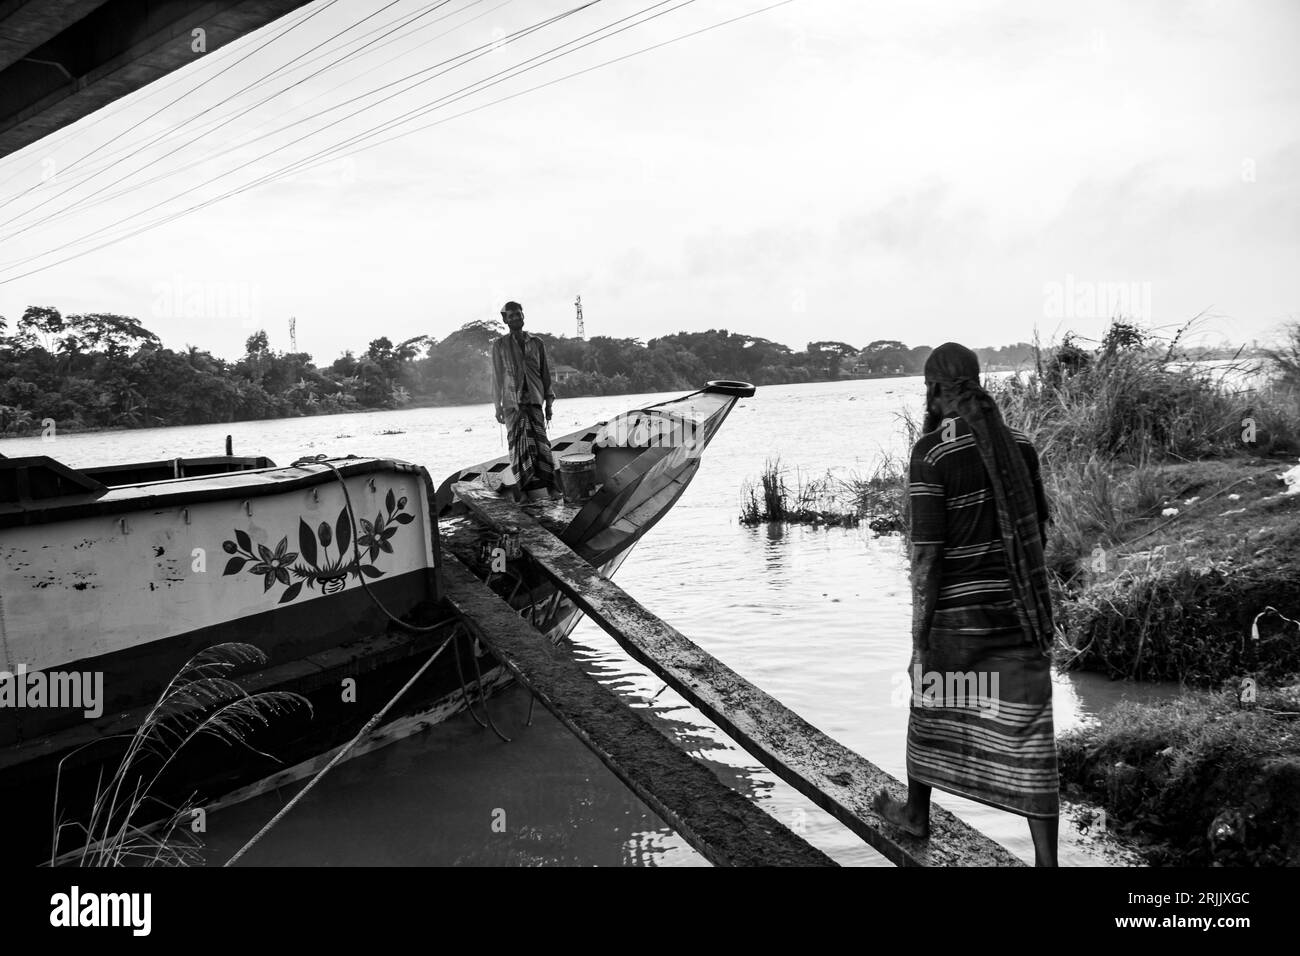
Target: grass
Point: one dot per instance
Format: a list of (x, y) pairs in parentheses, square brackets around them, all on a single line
[(881, 497), (1175, 556), (1200, 780), (1181, 600), (790, 498), (1145, 402), (1125, 433), (1096, 502), (127, 824), (878, 500)]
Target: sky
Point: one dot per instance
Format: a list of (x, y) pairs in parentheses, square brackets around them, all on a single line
[(825, 170)]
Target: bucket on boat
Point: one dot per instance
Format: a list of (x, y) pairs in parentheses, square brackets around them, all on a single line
[(577, 477)]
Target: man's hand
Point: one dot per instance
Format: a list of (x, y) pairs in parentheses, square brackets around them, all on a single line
[(501, 416), (550, 408)]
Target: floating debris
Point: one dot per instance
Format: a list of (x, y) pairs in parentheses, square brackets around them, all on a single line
[(1292, 479)]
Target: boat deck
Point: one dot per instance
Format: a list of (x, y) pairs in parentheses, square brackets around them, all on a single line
[(459, 532)]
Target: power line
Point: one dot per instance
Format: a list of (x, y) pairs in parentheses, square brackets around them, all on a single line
[(509, 73), (499, 77), (101, 197), (246, 109), (203, 112), (479, 51), (161, 86), (316, 159), (136, 125), (299, 166), (576, 73)]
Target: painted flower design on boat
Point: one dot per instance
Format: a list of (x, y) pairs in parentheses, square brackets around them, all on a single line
[(274, 567), (312, 563)]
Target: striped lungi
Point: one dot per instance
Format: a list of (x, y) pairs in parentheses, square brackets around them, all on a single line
[(530, 449), (980, 724)]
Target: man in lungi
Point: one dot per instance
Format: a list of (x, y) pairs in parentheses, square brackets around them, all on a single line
[(980, 723), (521, 384)]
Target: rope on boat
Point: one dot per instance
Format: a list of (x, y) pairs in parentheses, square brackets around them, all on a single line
[(373, 721), (487, 714), (338, 757), (469, 705), (464, 690), (532, 618), (347, 500), (482, 697)]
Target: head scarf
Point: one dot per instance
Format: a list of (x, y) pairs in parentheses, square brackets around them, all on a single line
[(955, 370)]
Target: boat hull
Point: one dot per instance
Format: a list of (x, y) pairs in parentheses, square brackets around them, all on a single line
[(129, 586)]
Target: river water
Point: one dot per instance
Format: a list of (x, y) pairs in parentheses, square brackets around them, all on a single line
[(817, 617)]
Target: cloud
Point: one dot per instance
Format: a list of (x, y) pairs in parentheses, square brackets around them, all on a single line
[(915, 171)]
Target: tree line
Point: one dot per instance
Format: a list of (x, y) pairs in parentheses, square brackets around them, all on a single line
[(97, 370)]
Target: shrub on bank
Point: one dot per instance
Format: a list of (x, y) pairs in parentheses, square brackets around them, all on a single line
[(1134, 406), (1198, 780), (1118, 430), (1194, 624)]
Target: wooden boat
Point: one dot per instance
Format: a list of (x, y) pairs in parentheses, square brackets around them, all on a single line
[(645, 458), (123, 574)]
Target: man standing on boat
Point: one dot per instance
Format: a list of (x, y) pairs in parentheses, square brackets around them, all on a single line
[(521, 385), (980, 724)]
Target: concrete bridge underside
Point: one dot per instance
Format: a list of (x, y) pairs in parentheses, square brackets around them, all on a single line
[(60, 61)]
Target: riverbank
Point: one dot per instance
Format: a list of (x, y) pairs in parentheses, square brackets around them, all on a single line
[(1174, 553), (1205, 591), (1180, 583), (1205, 780)]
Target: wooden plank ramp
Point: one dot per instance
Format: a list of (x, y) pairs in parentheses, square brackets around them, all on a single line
[(832, 776), (727, 828)]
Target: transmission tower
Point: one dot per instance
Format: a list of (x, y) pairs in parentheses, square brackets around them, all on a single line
[(582, 331), (293, 334)]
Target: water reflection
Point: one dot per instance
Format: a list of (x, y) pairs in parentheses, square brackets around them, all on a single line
[(459, 796)]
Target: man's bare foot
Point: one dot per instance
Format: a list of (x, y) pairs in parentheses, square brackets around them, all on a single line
[(901, 815)]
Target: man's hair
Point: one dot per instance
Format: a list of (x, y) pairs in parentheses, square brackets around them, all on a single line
[(511, 307), (945, 367)]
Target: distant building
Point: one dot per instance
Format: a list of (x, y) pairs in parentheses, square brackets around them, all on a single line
[(863, 362), (857, 364), (562, 373)]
